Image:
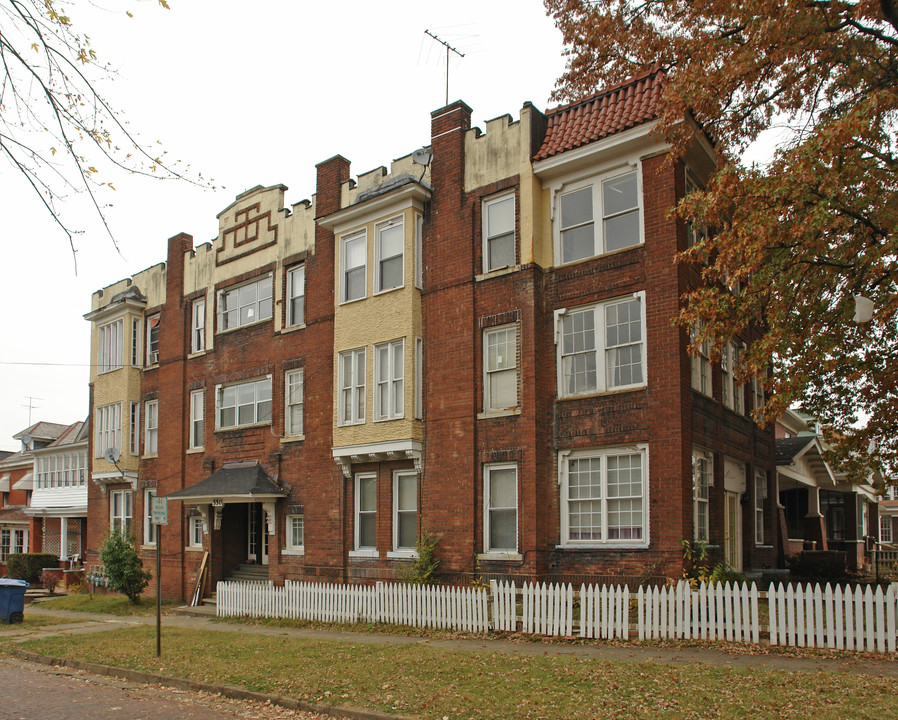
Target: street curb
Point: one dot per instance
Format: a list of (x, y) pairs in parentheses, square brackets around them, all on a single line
[(228, 691)]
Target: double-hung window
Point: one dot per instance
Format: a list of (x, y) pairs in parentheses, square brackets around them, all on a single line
[(602, 347), (390, 251), (244, 305), (135, 341), (366, 512), (500, 390), (498, 233), (149, 529), (599, 217), (151, 422), (733, 392), (152, 343), (296, 295), (109, 428), (246, 403), (110, 346), (195, 532), (198, 325), (405, 511), (296, 533), (389, 371), (701, 364), (760, 497), (351, 402), (293, 387), (354, 263), (500, 494), (702, 481), (885, 528), (197, 419), (757, 392), (120, 512), (135, 429), (604, 496)]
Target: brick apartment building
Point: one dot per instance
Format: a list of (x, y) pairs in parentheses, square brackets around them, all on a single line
[(476, 344)]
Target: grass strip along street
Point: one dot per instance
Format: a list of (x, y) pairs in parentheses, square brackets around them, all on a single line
[(437, 683)]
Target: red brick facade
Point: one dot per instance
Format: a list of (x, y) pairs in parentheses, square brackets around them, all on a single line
[(655, 424)]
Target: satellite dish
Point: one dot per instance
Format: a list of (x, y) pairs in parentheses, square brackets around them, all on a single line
[(26, 440), (422, 156), (111, 454)]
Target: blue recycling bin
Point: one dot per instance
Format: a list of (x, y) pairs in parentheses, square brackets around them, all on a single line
[(12, 600)]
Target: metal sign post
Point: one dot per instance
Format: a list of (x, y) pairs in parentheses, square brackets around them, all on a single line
[(159, 511)]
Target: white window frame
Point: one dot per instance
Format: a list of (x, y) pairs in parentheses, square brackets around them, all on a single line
[(195, 531), (293, 398), (296, 296), (389, 391), (733, 392), (489, 510), (153, 330), (489, 234), (134, 446), (379, 260), (345, 240), (121, 517), (197, 430), (149, 529), (360, 511), (419, 251), (602, 455), (701, 366), (506, 364), (351, 389), (760, 498), (599, 219), (198, 325), (404, 514), (110, 346), (885, 529), (600, 352), (260, 386), (151, 428), (419, 378), (693, 235), (257, 310), (108, 428), (135, 341), (290, 523), (702, 482)]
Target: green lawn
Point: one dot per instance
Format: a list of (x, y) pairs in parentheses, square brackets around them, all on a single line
[(433, 683), (35, 621), (111, 604)]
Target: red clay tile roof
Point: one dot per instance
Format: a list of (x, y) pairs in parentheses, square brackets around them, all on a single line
[(618, 108)]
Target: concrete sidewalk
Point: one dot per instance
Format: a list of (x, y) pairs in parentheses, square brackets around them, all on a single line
[(733, 656)]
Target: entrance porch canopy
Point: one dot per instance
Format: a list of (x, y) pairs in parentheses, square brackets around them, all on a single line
[(236, 482)]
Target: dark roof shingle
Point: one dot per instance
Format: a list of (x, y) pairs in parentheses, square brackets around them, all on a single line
[(618, 108)]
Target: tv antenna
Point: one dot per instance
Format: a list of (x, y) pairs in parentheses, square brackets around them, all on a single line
[(30, 398), (449, 49)]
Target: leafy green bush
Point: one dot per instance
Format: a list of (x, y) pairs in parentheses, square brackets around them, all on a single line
[(28, 566), (124, 570), (422, 570)]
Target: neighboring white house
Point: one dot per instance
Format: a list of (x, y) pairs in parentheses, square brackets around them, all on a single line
[(59, 498)]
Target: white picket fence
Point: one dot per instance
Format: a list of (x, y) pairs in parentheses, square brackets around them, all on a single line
[(452, 608), (839, 618)]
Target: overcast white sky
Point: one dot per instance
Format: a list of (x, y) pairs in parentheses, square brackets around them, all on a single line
[(250, 94)]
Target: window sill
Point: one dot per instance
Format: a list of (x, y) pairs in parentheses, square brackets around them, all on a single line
[(364, 554), (198, 353), (593, 547), (148, 546), (602, 393), (242, 327), (498, 272), (610, 253), (501, 557), (292, 328), (402, 554), (194, 548), (764, 547), (386, 291), (149, 456), (351, 424), (151, 366), (242, 427), (294, 552), (487, 414), (292, 439), (353, 300), (195, 451), (389, 419)]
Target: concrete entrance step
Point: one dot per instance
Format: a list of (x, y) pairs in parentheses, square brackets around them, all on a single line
[(248, 573)]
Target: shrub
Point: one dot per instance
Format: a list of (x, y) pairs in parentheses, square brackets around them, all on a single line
[(28, 566), (50, 578), (818, 565), (422, 570), (124, 570)]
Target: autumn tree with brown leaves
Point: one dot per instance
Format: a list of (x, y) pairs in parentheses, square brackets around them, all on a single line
[(795, 238), (56, 129)]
